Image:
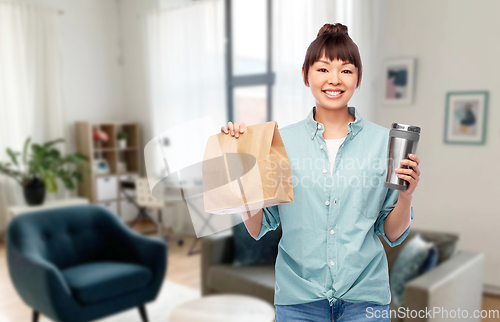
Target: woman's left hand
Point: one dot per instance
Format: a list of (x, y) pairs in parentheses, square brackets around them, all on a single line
[(411, 175)]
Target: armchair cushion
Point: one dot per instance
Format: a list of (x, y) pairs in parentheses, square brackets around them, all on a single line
[(95, 282)]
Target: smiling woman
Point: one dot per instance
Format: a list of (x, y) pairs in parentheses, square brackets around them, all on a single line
[(332, 69)]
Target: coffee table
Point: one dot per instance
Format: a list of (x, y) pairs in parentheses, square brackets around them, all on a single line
[(224, 308)]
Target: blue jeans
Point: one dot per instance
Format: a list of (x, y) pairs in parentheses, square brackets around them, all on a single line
[(341, 311)]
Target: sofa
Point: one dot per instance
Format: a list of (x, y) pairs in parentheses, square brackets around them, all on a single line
[(456, 282)]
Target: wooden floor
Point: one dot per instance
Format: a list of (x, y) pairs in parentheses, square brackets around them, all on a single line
[(182, 268)]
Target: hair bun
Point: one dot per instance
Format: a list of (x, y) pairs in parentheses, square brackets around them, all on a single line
[(328, 27)]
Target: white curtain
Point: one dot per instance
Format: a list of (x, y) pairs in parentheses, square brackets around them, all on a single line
[(186, 73), (30, 86), (185, 52)]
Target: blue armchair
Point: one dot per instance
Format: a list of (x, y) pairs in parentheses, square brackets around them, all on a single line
[(82, 263)]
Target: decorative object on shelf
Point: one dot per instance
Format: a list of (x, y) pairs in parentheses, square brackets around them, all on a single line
[(122, 139), (101, 166), (398, 81), (39, 171), (465, 120), (100, 135)]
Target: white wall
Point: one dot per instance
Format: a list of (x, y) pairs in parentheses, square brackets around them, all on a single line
[(454, 42)]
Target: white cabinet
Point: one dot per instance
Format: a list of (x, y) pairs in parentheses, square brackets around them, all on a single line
[(106, 188)]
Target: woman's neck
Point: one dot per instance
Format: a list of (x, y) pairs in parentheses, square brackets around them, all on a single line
[(335, 121)]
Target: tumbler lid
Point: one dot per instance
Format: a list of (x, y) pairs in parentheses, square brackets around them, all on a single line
[(405, 127)]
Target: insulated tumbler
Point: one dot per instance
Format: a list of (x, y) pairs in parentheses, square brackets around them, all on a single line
[(403, 140)]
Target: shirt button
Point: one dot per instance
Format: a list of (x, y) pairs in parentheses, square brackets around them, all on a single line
[(319, 126), (335, 201), (331, 231), (324, 170), (332, 263), (327, 202), (321, 146)]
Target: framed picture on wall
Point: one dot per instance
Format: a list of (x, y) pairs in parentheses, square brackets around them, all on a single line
[(398, 81), (465, 119)]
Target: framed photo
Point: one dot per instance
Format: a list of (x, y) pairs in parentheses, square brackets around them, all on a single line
[(465, 120), (398, 81)]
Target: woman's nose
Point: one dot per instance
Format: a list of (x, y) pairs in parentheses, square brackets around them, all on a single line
[(335, 80)]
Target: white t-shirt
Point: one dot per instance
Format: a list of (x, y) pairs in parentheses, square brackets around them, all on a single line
[(332, 147)]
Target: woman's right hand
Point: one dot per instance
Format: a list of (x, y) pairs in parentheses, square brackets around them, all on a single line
[(234, 129)]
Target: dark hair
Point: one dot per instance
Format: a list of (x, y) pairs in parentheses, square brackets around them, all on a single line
[(333, 42)]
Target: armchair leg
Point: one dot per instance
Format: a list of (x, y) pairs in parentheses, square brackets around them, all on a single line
[(36, 315), (144, 314)]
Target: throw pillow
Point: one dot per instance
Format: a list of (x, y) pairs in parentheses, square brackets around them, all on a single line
[(446, 244), (430, 262), (248, 251), (407, 266)]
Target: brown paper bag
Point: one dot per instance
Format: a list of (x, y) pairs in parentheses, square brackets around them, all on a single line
[(248, 173)]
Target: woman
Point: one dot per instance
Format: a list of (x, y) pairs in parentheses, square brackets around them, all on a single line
[(331, 266)]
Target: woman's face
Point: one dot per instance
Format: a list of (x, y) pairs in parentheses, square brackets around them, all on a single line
[(325, 75)]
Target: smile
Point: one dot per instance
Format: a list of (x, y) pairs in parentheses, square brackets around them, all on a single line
[(333, 95)]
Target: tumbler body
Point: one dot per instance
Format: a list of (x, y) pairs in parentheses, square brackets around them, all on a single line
[(403, 140)]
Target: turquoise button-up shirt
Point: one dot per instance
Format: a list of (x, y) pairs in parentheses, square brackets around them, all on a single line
[(329, 248)]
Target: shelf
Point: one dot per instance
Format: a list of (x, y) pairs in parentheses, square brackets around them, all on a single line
[(104, 149), (124, 161)]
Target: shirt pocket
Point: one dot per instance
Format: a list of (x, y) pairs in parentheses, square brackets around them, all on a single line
[(369, 194)]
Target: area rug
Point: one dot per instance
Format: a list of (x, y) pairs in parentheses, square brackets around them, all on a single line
[(171, 295)]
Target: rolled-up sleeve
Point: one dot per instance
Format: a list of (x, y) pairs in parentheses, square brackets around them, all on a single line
[(389, 204), (270, 220)]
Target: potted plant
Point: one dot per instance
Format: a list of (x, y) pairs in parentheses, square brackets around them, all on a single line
[(39, 171), (122, 139)]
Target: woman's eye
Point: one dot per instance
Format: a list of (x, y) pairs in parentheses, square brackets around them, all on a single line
[(347, 71), (321, 69)]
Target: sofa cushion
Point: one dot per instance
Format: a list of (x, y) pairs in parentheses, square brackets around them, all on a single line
[(255, 280), (95, 282), (430, 262), (248, 251), (407, 266), (446, 244)]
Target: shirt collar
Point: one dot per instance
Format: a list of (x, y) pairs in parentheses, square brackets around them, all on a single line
[(315, 127)]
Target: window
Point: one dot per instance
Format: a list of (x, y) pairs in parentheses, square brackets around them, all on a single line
[(248, 60)]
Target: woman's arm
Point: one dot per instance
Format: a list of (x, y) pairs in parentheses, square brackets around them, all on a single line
[(253, 223), (399, 218)]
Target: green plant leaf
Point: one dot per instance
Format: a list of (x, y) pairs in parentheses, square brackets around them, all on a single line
[(50, 143), (51, 184), (25, 151), (13, 156)]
